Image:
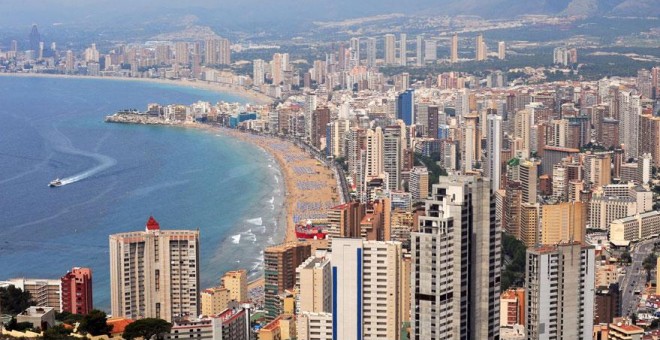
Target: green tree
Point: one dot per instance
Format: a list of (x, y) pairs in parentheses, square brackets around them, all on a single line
[(14, 300), (14, 325), (68, 317), (513, 261), (648, 265), (625, 257), (147, 328), (95, 323)]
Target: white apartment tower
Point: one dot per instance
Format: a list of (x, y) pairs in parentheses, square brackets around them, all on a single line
[(403, 49), (371, 52), (494, 145), (630, 109), (419, 57), (258, 72), (366, 277), (392, 156), (374, 153), (559, 283), (154, 273), (390, 49), (455, 274)]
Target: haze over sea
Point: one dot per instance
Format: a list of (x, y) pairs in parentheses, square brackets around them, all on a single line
[(120, 174)]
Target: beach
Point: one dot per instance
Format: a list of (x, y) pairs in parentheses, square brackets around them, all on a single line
[(252, 96), (310, 185)]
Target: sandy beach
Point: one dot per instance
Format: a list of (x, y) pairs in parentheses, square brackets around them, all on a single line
[(252, 96), (310, 185)]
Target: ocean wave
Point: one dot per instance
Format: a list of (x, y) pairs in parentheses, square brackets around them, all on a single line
[(255, 221), (236, 239)]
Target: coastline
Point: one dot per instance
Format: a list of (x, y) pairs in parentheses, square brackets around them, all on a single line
[(310, 185), (249, 95)]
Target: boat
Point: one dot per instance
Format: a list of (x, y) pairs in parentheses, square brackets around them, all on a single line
[(55, 183), (310, 231)]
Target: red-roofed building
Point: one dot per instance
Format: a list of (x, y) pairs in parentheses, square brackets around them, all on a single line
[(152, 224), (118, 325), (620, 331)]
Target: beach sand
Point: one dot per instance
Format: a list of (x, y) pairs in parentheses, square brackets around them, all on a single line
[(310, 185), (252, 96)]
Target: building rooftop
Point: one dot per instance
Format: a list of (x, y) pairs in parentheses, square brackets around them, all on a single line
[(37, 311)]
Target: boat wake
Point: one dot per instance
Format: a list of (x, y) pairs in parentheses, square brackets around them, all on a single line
[(105, 162)]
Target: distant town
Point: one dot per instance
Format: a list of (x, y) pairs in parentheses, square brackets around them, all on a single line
[(435, 190)]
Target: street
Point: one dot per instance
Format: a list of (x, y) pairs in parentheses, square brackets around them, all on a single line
[(635, 277)]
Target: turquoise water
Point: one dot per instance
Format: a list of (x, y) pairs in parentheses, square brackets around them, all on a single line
[(121, 174)]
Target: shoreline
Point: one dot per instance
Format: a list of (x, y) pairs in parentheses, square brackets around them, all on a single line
[(239, 91), (310, 186)]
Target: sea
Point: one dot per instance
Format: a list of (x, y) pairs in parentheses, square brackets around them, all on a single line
[(118, 175)]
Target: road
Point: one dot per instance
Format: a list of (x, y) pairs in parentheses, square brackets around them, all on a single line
[(635, 277)]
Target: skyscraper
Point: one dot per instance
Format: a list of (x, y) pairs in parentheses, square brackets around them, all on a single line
[(501, 50), (494, 145), (154, 273), (419, 58), (630, 110), (258, 72), (430, 50), (560, 283), (35, 39), (355, 52), (371, 52), (403, 49), (528, 180), (480, 48), (419, 183), (365, 289), (392, 156), (405, 109), (182, 53), (280, 263), (390, 49), (454, 48), (456, 263), (77, 291)]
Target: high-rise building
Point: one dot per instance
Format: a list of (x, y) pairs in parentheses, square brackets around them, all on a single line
[(258, 72), (456, 263), (501, 50), (530, 214), (373, 164), (403, 49), (433, 121), (214, 300), (480, 48), (563, 222), (560, 283), (314, 298), (454, 48), (419, 57), (320, 120), (419, 183), (280, 263), (154, 273), (236, 282), (371, 52), (392, 156), (35, 39), (390, 49), (182, 53), (77, 297), (405, 107), (494, 145), (528, 181), (365, 289), (471, 142), (430, 50), (630, 110), (355, 52)]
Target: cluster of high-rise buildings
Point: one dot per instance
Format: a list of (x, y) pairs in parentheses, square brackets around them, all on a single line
[(439, 170)]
